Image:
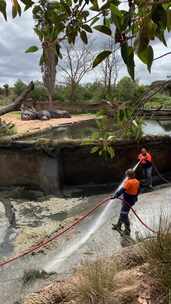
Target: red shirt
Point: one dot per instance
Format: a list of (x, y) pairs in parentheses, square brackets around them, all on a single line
[(146, 160)]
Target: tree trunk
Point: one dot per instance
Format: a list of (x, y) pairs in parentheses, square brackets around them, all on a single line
[(50, 101), (48, 70), (18, 101)]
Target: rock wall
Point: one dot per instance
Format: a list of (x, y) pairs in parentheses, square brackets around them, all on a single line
[(72, 164)]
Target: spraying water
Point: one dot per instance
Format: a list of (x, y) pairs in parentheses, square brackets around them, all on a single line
[(69, 250)]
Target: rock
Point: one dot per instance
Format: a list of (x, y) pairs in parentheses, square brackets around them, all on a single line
[(59, 114), (28, 115), (43, 115)]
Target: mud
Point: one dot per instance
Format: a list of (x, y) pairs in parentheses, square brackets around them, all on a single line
[(55, 258)]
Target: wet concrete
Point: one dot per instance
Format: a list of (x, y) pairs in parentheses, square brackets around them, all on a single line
[(103, 242)]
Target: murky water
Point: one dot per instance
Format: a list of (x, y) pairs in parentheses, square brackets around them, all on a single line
[(153, 127), (86, 128)]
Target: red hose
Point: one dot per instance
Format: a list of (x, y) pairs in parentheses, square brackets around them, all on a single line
[(137, 216), (58, 234), (54, 237)]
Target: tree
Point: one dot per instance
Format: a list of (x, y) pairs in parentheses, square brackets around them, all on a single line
[(19, 87), (55, 22), (6, 88), (133, 28), (110, 67), (126, 89), (76, 63)]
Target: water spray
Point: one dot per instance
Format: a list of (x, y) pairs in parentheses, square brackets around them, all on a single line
[(70, 249)]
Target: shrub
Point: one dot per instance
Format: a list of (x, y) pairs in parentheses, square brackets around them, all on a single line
[(157, 252), (95, 282)]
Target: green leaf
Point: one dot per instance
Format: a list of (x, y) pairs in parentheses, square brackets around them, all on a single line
[(103, 29), (87, 28), (124, 52), (147, 56), (159, 15), (127, 53), (83, 36), (32, 49), (27, 3), (100, 57), (94, 149), (3, 8), (14, 11), (96, 19), (169, 20), (115, 11), (160, 35)]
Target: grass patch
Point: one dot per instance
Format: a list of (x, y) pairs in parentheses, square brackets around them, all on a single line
[(95, 282), (157, 252), (7, 129)]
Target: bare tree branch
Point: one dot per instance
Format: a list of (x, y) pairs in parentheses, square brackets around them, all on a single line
[(76, 63), (110, 67)]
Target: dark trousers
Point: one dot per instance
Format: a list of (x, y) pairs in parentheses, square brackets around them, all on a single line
[(124, 216), (147, 174)]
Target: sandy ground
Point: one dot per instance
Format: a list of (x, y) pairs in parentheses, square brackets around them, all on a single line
[(84, 242), (32, 126)]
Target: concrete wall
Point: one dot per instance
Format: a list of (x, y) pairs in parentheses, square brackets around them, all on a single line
[(31, 169), (71, 164), (82, 167)]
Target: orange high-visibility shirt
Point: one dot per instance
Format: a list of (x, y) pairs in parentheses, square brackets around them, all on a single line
[(144, 158), (132, 186)]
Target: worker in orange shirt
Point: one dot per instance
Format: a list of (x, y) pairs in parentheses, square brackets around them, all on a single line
[(129, 193), (145, 159)]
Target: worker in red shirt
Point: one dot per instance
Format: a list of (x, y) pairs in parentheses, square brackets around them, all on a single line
[(129, 193), (145, 159)]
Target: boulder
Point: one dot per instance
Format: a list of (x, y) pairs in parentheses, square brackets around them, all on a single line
[(60, 114)]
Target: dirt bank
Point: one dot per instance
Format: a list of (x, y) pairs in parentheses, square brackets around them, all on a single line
[(131, 283)]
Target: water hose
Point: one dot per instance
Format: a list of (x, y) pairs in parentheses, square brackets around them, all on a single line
[(159, 174), (137, 216), (46, 241)]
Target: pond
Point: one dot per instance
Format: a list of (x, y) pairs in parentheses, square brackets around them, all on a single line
[(84, 129), (157, 127)]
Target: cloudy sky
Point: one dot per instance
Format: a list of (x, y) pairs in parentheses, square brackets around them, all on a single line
[(17, 35)]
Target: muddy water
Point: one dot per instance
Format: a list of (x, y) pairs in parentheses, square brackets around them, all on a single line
[(86, 128), (103, 242)]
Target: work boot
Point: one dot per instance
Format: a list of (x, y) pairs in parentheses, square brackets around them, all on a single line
[(150, 187), (127, 232), (117, 228)]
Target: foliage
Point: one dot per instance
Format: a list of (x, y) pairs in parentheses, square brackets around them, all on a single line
[(107, 132), (159, 100), (128, 90), (158, 254), (19, 87), (103, 138), (7, 129), (127, 126), (95, 282), (39, 92), (133, 27)]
